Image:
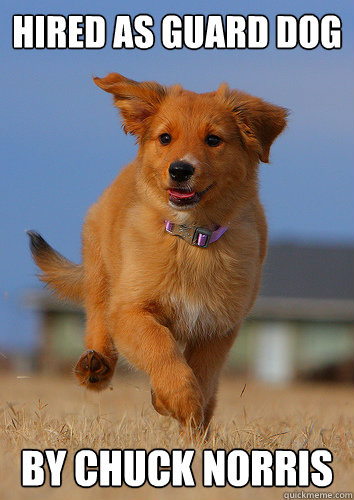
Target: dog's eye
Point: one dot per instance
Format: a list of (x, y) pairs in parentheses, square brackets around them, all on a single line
[(165, 139), (212, 140)]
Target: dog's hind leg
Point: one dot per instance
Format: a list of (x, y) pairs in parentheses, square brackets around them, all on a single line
[(96, 365), (206, 359)]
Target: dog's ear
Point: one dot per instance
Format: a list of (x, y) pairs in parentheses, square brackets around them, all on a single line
[(259, 121), (136, 101)]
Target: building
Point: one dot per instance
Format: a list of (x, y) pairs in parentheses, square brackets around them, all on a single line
[(300, 326), (302, 322)]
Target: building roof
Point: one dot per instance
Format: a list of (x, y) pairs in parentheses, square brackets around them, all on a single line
[(304, 271), (307, 282)]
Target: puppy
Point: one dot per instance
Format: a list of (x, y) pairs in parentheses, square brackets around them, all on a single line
[(173, 249)]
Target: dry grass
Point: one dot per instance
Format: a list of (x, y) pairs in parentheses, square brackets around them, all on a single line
[(54, 413)]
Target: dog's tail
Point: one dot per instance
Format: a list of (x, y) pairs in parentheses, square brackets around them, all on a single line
[(59, 273)]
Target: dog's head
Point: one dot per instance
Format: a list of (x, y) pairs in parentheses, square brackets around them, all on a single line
[(198, 153)]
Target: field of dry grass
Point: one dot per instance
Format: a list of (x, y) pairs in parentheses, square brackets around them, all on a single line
[(54, 413)]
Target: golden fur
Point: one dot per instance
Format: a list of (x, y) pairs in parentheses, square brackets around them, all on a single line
[(172, 309)]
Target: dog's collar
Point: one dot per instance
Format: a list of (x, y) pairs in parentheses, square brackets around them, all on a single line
[(194, 235)]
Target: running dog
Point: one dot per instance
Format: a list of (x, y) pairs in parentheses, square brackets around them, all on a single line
[(173, 249)]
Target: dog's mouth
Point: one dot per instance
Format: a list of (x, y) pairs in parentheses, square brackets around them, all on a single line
[(183, 197)]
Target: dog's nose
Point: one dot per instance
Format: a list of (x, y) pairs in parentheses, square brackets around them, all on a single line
[(181, 171)]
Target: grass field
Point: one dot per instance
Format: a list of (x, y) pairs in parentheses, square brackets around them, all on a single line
[(54, 413)]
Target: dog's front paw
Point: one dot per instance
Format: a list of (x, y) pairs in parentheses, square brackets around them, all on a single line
[(157, 404), (94, 370), (183, 401), (189, 407)]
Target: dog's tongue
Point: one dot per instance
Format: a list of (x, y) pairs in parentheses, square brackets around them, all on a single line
[(181, 194)]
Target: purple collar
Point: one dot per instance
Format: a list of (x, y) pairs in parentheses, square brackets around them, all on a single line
[(197, 236)]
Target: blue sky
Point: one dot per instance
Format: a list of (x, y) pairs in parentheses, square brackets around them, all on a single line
[(61, 142)]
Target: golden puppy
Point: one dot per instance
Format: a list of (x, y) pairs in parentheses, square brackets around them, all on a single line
[(172, 305)]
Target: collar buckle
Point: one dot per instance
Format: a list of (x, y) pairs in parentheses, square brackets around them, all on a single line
[(201, 237)]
